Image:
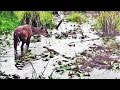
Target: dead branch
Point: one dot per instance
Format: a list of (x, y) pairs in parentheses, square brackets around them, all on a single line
[(51, 50), (52, 73), (3, 60), (93, 39), (59, 24), (34, 71), (55, 52), (45, 67), (6, 56)]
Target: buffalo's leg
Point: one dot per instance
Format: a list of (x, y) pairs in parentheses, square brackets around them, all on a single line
[(15, 50), (22, 48), (15, 47), (28, 43)]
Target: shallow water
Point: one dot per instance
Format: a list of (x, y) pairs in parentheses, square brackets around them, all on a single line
[(59, 45)]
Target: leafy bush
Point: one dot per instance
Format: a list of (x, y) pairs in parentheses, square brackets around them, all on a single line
[(77, 17), (8, 22)]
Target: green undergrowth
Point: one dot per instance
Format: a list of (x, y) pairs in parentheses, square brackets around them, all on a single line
[(8, 22), (77, 17), (47, 19)]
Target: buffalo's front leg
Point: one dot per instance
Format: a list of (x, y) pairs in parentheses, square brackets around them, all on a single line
[(22, 48), (28, 43), (15, 47)]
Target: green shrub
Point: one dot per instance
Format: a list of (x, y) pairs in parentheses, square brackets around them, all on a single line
[(47, 19), (77, 17), (8, 22)]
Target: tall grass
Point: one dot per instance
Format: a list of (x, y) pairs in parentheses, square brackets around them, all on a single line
[(108, 22), (105, 16)]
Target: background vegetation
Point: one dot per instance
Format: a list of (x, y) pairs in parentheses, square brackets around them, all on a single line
[(108, 22), (77, 17), (9, 20), (47, 19)]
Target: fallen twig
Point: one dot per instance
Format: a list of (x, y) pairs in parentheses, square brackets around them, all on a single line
[(55, 52), (91, 39), (6, 56), (3, 60), (45, 68), (50, 77), (51, 50), (33, 69)]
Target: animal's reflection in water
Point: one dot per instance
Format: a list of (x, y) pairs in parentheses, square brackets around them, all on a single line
[(22, 58)]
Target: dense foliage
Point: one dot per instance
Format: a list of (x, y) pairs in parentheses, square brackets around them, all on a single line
[(8, 21)]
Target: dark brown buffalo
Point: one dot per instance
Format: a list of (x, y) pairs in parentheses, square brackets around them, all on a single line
[(25, 32)]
